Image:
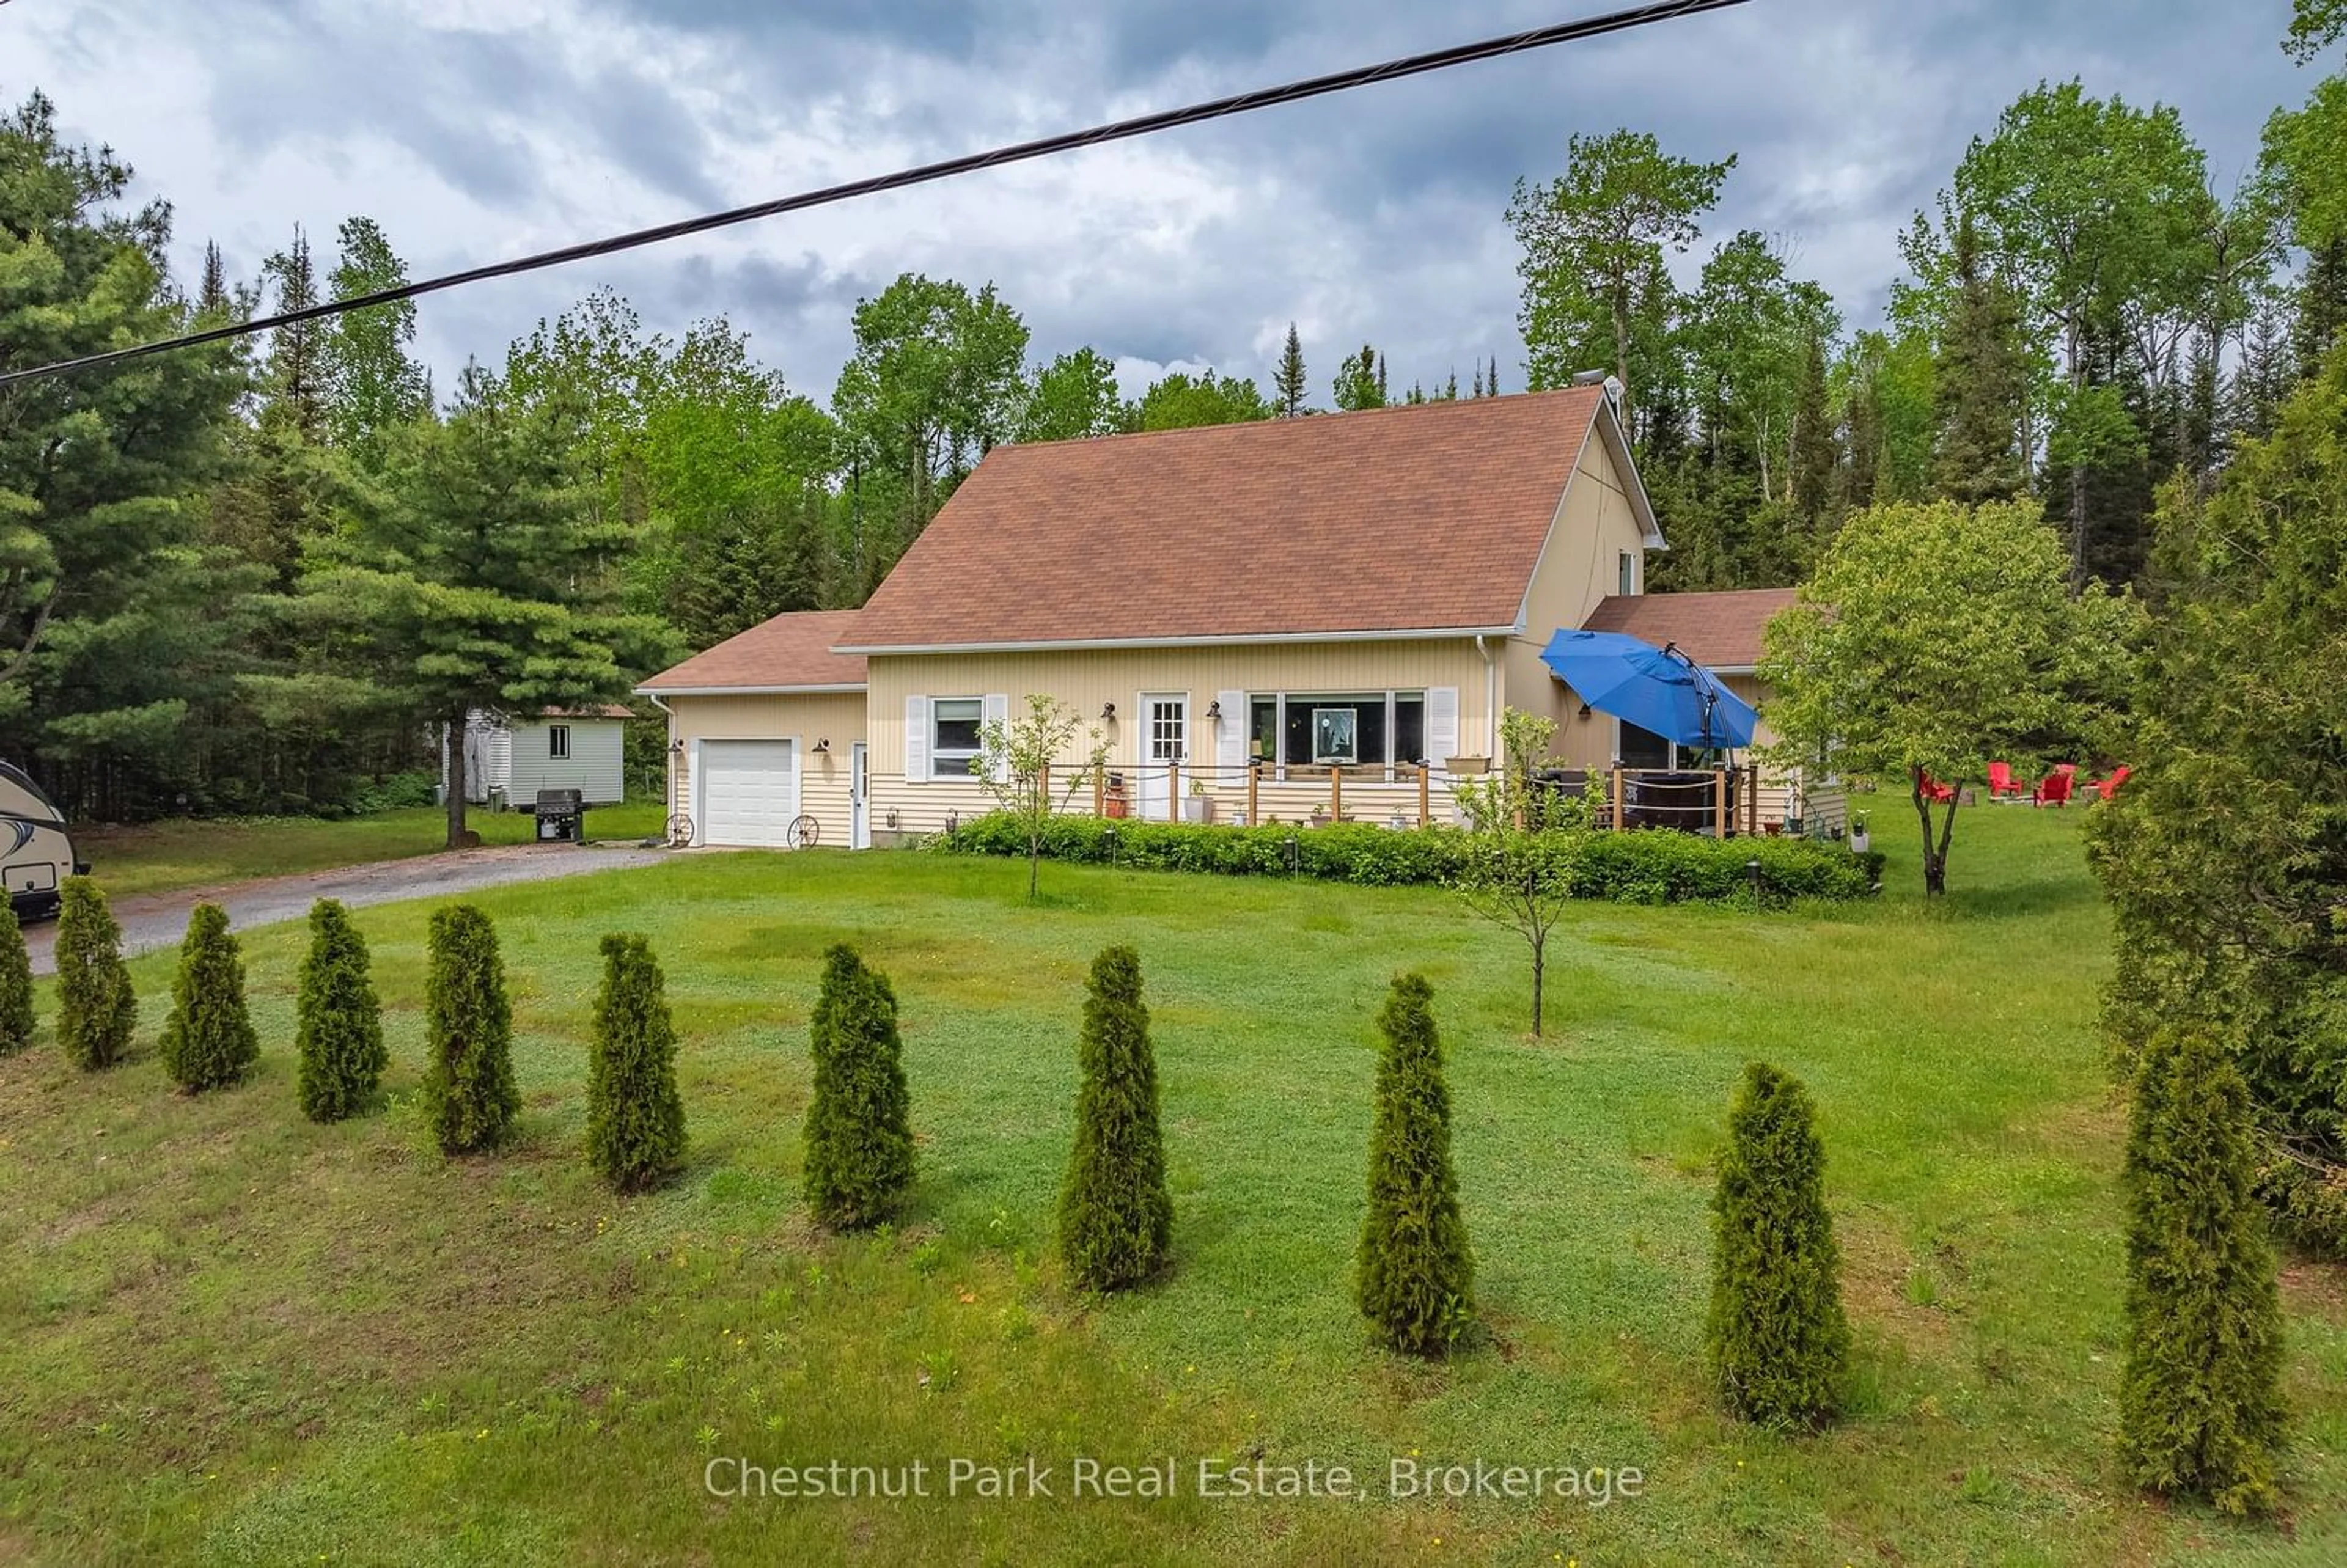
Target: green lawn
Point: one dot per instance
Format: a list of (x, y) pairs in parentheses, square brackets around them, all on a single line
[(163, 856), (229, 1336)]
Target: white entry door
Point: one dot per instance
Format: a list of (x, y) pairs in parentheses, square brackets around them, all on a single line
[(1164, 745), (860, 800), (749, 793)]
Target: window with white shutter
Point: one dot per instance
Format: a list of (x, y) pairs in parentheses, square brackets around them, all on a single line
[(997, 711), (1231, 738)]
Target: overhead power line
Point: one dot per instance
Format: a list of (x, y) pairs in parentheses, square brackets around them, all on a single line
[(1067, 141)]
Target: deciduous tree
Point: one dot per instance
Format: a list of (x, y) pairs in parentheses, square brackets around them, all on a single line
[(1016, 758), (1935, 637), (1517, 871)]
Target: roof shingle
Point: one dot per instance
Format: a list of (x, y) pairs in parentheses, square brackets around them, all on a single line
[(1721, 630), (1430, 516), (790, 650)]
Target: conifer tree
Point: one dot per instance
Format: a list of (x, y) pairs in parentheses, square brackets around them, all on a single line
[(340, 1033), (2201, 1407), (96, 1011), (1777, 1337), (635, 1119), (15, 983), (1288, 386), (859, 1138), (469, 1097), (1415, 1278), (1116, 1218), (208, 1040), (1982, 384)]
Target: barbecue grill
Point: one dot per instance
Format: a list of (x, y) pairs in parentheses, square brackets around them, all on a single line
[(562, 816)]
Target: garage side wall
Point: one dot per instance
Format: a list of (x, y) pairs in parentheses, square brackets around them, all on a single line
[(837, 717)]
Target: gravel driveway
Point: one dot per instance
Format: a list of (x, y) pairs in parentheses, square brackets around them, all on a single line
[(160, 919)]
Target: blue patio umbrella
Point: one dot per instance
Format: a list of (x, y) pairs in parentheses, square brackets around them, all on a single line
[(1657, 688)]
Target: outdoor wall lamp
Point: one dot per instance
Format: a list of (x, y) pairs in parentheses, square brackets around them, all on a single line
[(1584, 710), (821, 746), (1108, 712), (676, 747), (1214, 708)]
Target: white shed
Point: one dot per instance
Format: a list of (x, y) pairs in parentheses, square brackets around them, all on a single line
[(511, 757)]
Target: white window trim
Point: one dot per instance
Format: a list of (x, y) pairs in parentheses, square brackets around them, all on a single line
[(553, 753), (939, 755), (1392, 697)]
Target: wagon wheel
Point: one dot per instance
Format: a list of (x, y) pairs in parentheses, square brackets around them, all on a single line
[(803, 832), (680, 831)]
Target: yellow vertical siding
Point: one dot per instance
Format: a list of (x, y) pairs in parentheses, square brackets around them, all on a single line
[(835, 716)]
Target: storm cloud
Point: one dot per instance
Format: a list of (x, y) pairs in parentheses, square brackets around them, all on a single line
[(473, 131)]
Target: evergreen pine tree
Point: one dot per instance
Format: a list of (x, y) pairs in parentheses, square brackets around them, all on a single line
[(1777, 1337), (1816, 456), (2321, 305), (340, 1033), (15, 983), (469, 1098), (1288, 386), (208, 1040), (1415, 1278), (1982, 384), (1116, 1217), (859, 1138), (96, 1011), (635, 1119), (213, 298), (1491, 384), (1479, 378), (2201, 1407)]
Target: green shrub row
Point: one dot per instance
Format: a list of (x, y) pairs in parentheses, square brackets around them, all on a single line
[(1647, 867)]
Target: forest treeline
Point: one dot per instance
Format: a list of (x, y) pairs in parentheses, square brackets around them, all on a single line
[(249, 576)]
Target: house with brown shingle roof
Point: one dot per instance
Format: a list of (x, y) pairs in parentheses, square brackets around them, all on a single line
[(1238, 609)]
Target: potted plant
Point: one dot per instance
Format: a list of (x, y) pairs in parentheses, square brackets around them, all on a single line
[(1319, 817), (1859, 841), (1199, 806)]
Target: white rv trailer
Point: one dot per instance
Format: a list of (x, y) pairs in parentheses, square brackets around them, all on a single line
[(38, 855)]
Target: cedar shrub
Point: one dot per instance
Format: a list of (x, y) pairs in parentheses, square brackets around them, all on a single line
[(1116, 1217), (208, 1040), (469, 1098), (1415, 1276), (1777, 1337), (859, 1140), (340, 1037), (2201, 1407), (15, 983), (96, 1009), (635, 1121)]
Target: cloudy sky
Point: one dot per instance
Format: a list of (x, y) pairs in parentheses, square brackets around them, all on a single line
[(478, 129)]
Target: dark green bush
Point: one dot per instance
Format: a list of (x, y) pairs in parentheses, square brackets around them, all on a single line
[(1646, 867), (859, 1137), (208, 1040), (1116, 1217), (1415, 1274), (1776, 1337), (2200, 1407), (15, 983), (469, 1098), (96, 1011), (339, 1036), (635, 1119)]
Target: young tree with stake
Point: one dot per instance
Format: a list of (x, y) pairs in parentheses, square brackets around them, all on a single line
[(1518, 869), (1015, 760)]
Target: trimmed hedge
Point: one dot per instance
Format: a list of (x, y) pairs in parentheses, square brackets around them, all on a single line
[(1646, 867)]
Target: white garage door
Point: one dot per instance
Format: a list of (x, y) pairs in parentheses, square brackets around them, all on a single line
[(749, 791)]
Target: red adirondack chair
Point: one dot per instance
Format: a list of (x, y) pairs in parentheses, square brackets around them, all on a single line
[(2002, 784), (2054, 788), (2110, 786), (1935, 792)]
